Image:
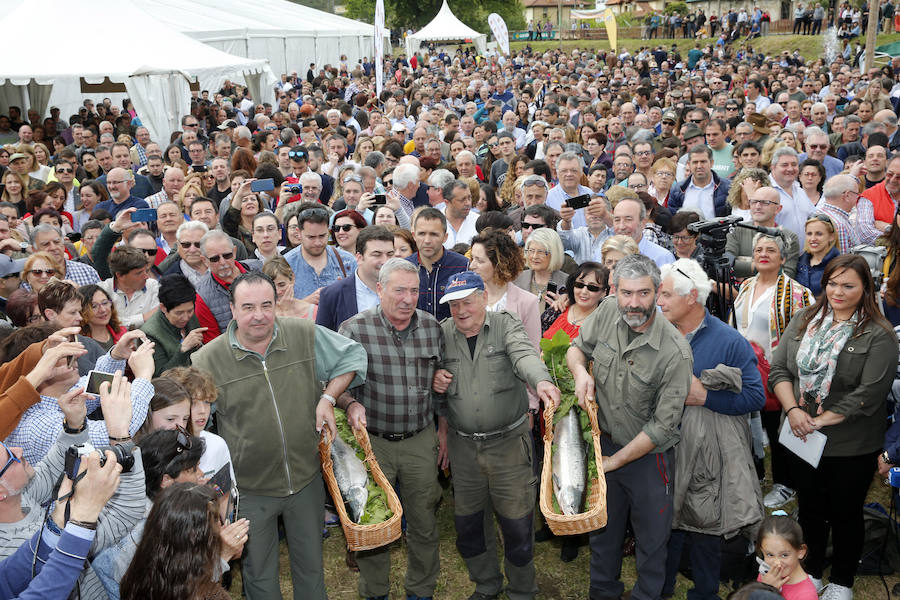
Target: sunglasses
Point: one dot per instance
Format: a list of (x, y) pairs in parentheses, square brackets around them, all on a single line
[(532, 225), (187, 245), (149, 252), (344, 228), (226, 256), (58, 170), (10, 461), (297, 155), (43, 272), (355, 178), (590, 286)]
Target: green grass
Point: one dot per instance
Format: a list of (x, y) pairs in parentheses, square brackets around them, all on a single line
[(556, 580), (810, 46)]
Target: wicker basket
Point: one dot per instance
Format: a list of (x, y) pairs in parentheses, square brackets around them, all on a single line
[(362, 537), (595, 517)]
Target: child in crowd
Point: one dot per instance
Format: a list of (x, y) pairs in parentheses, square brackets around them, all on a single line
[(780, 545)]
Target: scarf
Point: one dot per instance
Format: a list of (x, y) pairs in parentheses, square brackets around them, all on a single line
[(818, 355)]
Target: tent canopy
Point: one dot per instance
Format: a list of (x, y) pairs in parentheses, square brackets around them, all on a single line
[(155, 74), (445, 27)]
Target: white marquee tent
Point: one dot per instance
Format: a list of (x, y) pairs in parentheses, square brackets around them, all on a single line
[(154, 61), (445, 27)]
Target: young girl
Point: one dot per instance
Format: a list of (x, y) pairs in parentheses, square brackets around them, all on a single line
[(202, 390), (780, 545), (170, 407)]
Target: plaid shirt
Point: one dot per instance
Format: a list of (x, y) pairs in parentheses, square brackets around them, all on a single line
[(397, 394), (844, 228), (42, 423), (864, 220)]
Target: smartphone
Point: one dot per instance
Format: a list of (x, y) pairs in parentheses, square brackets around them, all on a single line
[(262, 185), (763, 566), (137, 342), (380, 199), (70, 361), (199, 168), (552, 287), (95, 378), (143, 215), (579, 201)]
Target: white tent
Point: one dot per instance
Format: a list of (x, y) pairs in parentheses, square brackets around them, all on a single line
[(154, 61), (445, 27)]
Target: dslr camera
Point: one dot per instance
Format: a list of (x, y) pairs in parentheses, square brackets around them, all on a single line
[(74, 453)]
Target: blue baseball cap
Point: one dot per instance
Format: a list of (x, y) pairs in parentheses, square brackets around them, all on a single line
[(461, 285)]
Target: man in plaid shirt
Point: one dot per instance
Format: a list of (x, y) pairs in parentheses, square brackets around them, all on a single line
[(49, 239), (405, 347)]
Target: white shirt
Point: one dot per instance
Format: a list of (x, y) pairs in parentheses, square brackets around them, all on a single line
[(215, 455), (701, 197), (365, 297), (465, 234), (795, 208), (131, 311)]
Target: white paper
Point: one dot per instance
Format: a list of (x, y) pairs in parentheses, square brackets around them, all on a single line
[(810, 450)]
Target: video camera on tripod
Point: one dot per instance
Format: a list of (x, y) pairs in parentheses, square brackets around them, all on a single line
[(713, 235)]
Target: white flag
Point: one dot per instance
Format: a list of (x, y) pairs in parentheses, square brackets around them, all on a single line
[(379, 46), (501, 33)]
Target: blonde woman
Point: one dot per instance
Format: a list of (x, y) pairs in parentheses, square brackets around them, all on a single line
[(513, 172), (364, 145), (769, 149), (745, 183), (544, 256), (42, 154), (615, 249), (185, 197)]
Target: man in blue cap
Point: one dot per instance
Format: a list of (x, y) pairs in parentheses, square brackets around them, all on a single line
[(489, 441)]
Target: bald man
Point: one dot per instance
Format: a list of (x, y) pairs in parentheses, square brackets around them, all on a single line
[(173, 181), (119, 182)]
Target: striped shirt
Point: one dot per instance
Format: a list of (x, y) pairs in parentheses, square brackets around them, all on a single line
[(397, 394), (845, 230)]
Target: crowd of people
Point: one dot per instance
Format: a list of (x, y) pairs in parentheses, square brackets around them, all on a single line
[(400, 255)]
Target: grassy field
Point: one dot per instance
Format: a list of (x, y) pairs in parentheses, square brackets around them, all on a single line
[(556, 580)]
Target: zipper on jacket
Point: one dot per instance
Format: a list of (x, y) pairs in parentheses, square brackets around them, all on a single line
[(287, 468)]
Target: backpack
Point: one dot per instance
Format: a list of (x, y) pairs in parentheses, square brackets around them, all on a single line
[(881, 545)]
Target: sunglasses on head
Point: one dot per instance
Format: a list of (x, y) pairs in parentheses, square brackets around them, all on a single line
[(226, 256)]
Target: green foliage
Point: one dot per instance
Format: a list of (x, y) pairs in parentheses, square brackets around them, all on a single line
[(402, 15), (554, 354), (676, 7), (377, 510)]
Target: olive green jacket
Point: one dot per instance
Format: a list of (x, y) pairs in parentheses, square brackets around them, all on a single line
[(639, 385), (488, 392), (266, 405), (863, 376)]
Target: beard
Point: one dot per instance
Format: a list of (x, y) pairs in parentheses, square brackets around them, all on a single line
[(637, 317)]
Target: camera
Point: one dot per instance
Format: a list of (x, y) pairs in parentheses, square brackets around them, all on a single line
[(74, 453), (294, 188)]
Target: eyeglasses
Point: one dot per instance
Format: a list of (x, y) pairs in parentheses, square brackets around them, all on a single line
[(763, 203), (682, 238), (186, 245), (108, 182), (644, 153), (590, 286), (9, 462), (536, 252), (43, 272), (226, 256), (99, 305)]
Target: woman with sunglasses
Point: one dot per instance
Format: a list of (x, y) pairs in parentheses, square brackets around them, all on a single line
[(819, 250), (238, 221), (99, 320), (345, 228), (38, 269), (585, 289)]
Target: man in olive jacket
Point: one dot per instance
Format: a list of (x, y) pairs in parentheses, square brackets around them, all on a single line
[(488, 358), (270, 410)]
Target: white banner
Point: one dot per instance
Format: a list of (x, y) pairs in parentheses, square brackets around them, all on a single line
[(379, 46), (501, 33)]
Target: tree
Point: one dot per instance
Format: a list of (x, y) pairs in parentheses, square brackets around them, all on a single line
[(402, 15)]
